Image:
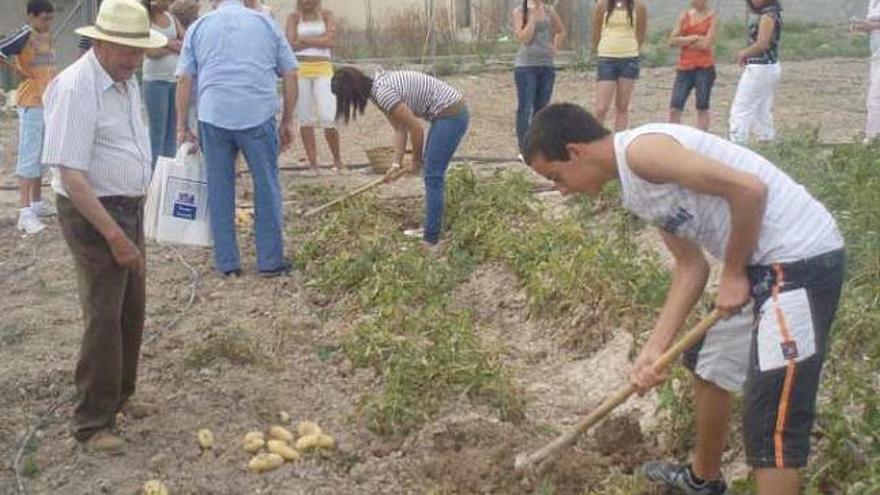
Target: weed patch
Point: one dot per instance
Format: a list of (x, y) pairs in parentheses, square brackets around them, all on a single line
[(426, 357), (231, 345), (566, 264), (800, 41), (12, 334), (847, 180), (424, 348), (426, 352)]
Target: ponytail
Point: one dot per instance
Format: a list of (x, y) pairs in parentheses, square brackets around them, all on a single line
[(525, 10)]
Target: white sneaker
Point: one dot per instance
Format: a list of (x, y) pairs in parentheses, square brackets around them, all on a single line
[(29, 223), (43, 209)]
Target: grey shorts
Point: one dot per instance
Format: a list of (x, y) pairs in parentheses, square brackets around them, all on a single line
[(776, 354)]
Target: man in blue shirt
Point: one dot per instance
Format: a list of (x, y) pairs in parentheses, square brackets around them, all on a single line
[(236, 55)]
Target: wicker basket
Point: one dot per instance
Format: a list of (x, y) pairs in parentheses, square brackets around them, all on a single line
[(380, 158)]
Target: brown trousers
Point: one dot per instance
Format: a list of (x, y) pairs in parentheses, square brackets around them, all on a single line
[(113, 304)]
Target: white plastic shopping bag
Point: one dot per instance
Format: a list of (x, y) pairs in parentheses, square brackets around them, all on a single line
[(154, 193), (180, 191)]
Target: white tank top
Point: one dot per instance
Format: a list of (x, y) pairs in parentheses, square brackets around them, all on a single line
[(874, 10), (162, 69), (795, 225), (311, 29)]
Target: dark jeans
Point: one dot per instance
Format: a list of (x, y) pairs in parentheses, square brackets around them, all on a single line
[(443, 139), (161, 116), (113, 301), (260, 148), (795, 304), (534, 88), (700, 80)]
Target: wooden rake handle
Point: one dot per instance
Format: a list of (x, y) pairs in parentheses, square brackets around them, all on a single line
[(525, 461), (391, 176)]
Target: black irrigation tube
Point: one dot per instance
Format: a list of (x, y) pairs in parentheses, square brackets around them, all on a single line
[(476, 160), (44, 418), (33, 261)]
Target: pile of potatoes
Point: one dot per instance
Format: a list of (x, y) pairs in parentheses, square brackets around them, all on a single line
[(277, 446)]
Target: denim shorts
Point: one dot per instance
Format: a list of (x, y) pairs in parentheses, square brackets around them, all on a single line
[(30, 143), (794, 306), (686, 80), (612, 69)]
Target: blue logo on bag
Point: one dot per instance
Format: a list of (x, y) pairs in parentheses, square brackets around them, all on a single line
[(789, 349), (185, 206)]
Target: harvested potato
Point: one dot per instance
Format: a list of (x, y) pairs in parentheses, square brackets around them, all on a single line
[(280, 433), (281, 448), (307, 442), (254, 441), (284, 417), (306, 428), (326, 442), (265, 462), (315, 441), (154, 487), (206, 438)]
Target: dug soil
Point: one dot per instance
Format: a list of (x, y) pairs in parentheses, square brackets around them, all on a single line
[(228, 355)]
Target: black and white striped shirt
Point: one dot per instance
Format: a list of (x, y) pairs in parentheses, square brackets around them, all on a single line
[(94, 125), (425, 96)]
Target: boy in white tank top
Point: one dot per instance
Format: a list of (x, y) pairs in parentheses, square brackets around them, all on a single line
[(781, 250)]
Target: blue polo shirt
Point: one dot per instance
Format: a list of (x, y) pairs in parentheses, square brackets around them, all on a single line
[(236, 54)]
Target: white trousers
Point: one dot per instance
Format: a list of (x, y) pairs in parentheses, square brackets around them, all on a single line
[(752, 108), (872, 126), (316, 103)]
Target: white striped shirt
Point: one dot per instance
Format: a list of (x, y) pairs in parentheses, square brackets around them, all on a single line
[(795, 226), (425, 96), (95, 126)]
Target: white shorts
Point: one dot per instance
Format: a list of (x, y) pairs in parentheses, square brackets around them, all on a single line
[(316, 104)]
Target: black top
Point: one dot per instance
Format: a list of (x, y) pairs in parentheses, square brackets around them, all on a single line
[(771, 55)]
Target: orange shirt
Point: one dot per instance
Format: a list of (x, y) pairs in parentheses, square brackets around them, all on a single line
[(36, 62), (694, 58)]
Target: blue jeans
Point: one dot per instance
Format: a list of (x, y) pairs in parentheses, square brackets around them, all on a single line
[(443, 140), (534, 88), (159, 99), (260, 148)]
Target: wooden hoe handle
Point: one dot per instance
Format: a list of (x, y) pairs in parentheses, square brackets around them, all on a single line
[(391, 176), (525, 461)]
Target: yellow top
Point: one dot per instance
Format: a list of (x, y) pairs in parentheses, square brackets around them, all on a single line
[(619, 36), (37, 65)]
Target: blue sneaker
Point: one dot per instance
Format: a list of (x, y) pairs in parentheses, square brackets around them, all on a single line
[(679, 476)]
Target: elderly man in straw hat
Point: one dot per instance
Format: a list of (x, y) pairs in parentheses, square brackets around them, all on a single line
[(97, 142)]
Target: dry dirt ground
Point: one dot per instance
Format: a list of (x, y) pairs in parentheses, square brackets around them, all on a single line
[(294, 364)]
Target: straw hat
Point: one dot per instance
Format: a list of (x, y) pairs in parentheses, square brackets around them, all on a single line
[(124, 22)]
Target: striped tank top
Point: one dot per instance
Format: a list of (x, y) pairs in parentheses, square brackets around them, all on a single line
[(795, 225), (425, 96)]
